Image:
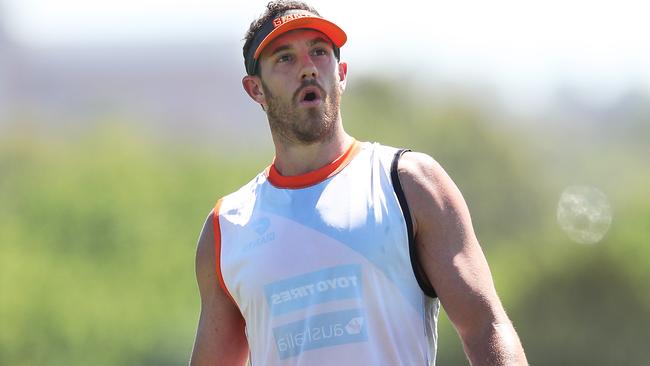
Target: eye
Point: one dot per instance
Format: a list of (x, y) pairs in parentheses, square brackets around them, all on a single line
[(284, 58), (320, 52)]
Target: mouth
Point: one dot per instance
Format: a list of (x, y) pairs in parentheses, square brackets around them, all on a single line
[(310, 96)]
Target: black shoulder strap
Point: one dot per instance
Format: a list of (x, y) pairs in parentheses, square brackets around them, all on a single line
[(415, 263)]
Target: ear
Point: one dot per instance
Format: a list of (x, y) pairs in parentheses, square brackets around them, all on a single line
[(253, 86), (343, 75)]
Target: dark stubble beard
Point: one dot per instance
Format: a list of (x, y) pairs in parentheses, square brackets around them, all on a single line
[(296, 125)]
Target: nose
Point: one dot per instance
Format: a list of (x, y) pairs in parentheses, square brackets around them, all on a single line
[(308, 70)]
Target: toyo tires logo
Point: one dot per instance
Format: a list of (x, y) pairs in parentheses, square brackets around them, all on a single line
[(327, 285)]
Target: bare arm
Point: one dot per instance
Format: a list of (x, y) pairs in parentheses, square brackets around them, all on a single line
[(453, 262), (220, 337)]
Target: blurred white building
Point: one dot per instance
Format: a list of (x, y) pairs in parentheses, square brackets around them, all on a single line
[(179, 88)]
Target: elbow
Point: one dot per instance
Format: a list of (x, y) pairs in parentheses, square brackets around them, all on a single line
[(494, 344)]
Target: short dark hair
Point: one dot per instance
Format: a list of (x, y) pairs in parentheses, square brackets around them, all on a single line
[(273, 9)]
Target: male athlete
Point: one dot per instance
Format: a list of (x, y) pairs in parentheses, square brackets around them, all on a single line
[(341, 251)]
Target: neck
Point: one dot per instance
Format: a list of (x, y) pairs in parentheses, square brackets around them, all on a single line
[(297, 159)]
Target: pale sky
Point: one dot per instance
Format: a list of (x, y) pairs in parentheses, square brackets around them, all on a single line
[(600, 47)]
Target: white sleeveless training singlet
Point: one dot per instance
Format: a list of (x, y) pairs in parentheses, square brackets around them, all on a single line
[(321, 265)]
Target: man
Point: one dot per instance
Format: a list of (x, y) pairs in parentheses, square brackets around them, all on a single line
[(340, 252)]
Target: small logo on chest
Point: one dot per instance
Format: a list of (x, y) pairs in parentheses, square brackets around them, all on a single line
[(261, 225), (262, 236)]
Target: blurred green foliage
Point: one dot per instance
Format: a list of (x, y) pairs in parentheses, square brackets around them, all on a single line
[(97, 247), (98, 231)]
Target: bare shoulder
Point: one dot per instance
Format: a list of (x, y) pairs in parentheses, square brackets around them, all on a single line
[(205, 255), (413, 162), (429, 190), (421, 171)]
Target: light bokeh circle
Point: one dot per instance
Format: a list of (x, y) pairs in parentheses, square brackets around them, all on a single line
[(584, 214)]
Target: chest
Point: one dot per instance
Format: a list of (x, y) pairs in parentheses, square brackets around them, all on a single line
[(330, 233)]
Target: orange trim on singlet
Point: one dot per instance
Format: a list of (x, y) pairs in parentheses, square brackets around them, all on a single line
[(217, 248), (316, 176)]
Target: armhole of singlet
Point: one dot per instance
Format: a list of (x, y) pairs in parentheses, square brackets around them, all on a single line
[(415, 263), (217, 249)]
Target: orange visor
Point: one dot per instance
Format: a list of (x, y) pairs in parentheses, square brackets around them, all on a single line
[(288, 21)]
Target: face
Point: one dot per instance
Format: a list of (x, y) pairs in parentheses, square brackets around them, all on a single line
[(299, 86)]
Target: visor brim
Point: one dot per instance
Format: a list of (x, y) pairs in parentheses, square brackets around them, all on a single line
[(331, 30)]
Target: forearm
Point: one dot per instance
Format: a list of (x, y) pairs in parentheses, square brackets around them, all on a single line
[(497, 345)]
